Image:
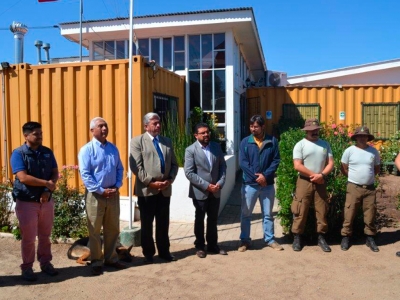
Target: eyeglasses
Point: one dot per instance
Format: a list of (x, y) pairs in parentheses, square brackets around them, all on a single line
[(204, 132)]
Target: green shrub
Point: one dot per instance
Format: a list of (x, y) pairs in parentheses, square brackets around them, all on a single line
[(69, 208), (197, 116), (181, 136), (6, 203), (286, 176), (284, 125), (389, 150), (16, 231), (338, 136)]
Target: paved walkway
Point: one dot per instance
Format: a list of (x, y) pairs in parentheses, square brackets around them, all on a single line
[(228, 225)]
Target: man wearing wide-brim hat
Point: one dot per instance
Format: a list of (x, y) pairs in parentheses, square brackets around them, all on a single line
[(360, 163), (313, 159)]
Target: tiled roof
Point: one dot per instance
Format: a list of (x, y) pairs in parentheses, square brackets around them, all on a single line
[(165, 15)]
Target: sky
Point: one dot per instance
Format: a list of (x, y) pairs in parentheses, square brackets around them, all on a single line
[(297, 37)]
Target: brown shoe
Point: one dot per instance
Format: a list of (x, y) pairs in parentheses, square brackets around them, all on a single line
[(243, 247), (274, 245), (116, 265)]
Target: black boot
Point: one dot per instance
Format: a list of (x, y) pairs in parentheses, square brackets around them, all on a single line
[(398, 254), (296, 243), (322, 243), (371, 243), (345, 245)]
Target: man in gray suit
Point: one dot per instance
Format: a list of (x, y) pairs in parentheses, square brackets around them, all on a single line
[(153, 162), (205, 167)]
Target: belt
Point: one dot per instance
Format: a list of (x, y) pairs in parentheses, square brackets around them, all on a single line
[(304, 177), (364, 186)]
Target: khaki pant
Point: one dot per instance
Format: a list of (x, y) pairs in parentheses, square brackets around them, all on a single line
[(104, 212), (306, 192), (355, 196)]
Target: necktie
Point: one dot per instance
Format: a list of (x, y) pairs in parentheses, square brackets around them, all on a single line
[(160, 154)]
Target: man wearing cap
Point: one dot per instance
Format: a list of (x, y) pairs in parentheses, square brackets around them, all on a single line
[(360, 163), (313, 159)]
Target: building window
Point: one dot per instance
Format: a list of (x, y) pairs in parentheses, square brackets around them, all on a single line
[(164, 104), (107, 50), (144, 49), (300, 112), (155, 50), (167, 52), (207, 75), (382, 119), (179, 53)]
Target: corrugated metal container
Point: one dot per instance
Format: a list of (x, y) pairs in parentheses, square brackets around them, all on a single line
[(332, 102), (65, 97)]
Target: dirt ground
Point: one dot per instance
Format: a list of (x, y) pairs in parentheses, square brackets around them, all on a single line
[(259, 273)]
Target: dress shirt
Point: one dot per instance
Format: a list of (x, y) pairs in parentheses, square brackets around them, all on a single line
[(155, 137), (100, 166), (206, 151)]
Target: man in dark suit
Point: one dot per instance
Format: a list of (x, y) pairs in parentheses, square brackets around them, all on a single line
[(153, 162), (205, 167)]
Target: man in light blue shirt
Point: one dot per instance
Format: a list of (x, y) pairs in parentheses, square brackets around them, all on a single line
[(101, 171)]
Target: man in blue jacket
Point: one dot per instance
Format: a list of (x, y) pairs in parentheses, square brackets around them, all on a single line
[(259, 159)]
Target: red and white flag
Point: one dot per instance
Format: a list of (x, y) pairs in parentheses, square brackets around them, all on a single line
[(47, 0)]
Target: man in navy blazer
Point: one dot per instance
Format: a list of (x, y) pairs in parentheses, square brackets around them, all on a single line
[(205, 168)]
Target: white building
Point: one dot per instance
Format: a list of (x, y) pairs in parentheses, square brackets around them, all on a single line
[(384, 72), (216, 51)]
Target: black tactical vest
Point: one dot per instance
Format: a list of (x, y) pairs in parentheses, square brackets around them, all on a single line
[(38, 164)]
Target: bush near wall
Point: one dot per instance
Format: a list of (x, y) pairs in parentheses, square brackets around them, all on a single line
[(6, 203), (388, 151), (181, 136), (339, 138), (69, 208)]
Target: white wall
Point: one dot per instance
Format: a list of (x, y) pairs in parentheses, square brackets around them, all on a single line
[(229, 93), (386, 76), (182, 209)]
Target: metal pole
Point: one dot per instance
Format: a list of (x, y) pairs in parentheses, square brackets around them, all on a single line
[(130, 107), (4, 125), (80, 29)]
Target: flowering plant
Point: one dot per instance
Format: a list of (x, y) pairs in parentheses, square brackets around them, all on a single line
[(69, 207), (6, 204), (390, 148)]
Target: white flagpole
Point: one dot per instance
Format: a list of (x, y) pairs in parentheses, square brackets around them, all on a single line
[(80, 29), (130, 107)]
